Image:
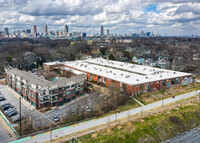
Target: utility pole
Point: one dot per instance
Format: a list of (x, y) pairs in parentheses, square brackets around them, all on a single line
[(20, 121)]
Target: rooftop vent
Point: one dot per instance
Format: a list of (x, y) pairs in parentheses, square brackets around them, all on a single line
[(137, 79), (144, 69), (174, 72), (114, 73), (146, 77), (153, 69), (160, 75), (121, 74)]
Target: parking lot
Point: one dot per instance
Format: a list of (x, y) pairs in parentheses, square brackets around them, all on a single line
[(85, 102)]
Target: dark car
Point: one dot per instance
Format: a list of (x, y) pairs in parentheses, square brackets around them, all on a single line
[(6, 111), (2, 98), (9, 111), (6, 107), (12, 113), (17, 119)]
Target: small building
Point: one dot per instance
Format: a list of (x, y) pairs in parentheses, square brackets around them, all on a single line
[(137, 60)]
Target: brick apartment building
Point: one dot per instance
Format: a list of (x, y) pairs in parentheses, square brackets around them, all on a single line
[(132, 78), (40, 92)]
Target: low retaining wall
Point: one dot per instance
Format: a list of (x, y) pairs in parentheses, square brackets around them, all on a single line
[(9, 124)]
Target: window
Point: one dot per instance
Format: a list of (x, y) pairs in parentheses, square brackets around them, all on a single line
[(91, 76), (44, 92), (81, 89), (60, 89), (73, 85), (104, 80), (73, 91), (173, 81), (68, 93), (177, 80), (60, 95), (147, 86), (163, 83), (99, 78)]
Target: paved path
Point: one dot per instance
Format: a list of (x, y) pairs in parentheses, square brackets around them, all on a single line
[(105, 120), (192, 136)]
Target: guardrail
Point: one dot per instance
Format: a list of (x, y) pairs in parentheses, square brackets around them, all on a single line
[(9, 124)]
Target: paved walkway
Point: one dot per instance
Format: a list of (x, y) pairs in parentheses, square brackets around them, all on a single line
[(105, 120)]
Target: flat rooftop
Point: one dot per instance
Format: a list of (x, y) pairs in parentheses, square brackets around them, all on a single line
[(128, 73)]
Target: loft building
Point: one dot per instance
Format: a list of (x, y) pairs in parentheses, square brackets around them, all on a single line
[(131, 78), (40, 92)]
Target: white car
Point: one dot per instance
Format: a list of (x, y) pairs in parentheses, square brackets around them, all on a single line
[(87, 109), (56, 118)]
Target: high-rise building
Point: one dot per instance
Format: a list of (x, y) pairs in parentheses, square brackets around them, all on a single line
[(66, 28), (84, 35), (45, 29), (6, 31), (60, 33), (34, 30), (28, 31), (65, 31), (107, 32), (101, 29)]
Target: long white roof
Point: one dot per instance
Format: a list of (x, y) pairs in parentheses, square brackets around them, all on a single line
[(124, 72)]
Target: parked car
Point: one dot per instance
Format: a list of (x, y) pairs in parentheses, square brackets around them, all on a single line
[(2, 98), (6, 111), (6, 107), (56, 118), (12, 113), (87, 109), (17, 119), (72, 111), (9, 111)]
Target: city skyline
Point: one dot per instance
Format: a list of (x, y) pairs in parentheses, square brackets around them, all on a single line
[(172, 18)]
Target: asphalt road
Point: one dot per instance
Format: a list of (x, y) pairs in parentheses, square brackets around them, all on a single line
[(192, 136), (105, 120)]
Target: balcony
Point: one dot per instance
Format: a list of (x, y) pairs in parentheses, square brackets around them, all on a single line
[(53, 100), (44, 101)]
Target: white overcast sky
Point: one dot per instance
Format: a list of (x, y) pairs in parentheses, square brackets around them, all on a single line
[(174, 17)]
